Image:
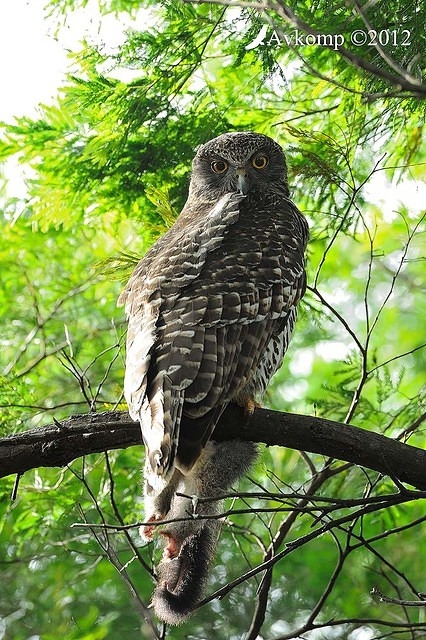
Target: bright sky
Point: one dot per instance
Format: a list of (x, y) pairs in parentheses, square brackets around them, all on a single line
[(33, 55), (32, 60), (33, 51)]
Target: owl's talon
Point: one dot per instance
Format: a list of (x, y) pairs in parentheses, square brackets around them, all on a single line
[(249, 405)]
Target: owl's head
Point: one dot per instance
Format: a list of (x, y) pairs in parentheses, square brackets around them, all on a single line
[(238, 162)]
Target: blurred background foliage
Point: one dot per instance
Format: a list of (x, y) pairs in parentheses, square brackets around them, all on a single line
[(108, 166)]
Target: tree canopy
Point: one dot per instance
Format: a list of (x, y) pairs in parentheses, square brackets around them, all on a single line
[(307, 537)]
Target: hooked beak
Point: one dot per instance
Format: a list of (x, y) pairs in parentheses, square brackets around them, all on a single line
[(242, 181)]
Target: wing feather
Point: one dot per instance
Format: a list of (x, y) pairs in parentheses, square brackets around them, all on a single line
[(210, 316), (162, 357)]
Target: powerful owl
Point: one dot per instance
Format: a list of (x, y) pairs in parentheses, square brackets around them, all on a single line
[(211, 308)]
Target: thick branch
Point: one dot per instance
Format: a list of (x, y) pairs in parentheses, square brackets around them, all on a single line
[(57, 445)]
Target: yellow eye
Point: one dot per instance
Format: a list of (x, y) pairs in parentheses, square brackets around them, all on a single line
[(219, 166), (260, 162)]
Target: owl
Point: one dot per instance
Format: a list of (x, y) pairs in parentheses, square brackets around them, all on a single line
[(211, 309)]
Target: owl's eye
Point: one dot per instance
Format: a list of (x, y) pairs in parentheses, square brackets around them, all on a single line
[(260, 162), (219, 166)]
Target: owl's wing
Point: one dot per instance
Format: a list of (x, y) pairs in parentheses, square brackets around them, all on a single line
[(210, 315), (151, 391), (241, 313)]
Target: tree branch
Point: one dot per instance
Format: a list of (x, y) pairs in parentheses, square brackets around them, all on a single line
[(405, 83), (58, 444)]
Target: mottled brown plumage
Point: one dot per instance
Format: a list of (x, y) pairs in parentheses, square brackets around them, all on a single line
[(212, 305)]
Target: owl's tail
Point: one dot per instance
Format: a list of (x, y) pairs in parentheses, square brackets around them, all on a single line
[(192, 541)]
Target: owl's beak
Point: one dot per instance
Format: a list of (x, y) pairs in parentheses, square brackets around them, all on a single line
[(242, 181)]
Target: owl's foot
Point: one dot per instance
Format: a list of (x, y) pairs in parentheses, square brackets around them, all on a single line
[(249, 405)]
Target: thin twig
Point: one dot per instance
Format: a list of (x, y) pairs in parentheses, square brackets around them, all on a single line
[(404, 603)]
